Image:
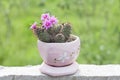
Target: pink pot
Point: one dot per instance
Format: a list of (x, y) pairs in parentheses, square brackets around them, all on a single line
[(59, 54)]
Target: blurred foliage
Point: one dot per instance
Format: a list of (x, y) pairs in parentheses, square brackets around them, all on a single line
[(96, 22)]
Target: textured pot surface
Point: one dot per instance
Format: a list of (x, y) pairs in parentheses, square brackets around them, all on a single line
[(59, 54)]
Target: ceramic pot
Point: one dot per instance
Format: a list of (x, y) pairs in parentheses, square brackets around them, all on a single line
[(59, 54)]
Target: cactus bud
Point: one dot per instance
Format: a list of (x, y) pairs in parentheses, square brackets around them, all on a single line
[(42, 34), (37, 31), (59, 38), (66, 30), (58, 28), (71, 38), (51, 30)]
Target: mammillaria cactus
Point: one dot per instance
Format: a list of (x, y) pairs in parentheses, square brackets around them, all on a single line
[(51, 31)]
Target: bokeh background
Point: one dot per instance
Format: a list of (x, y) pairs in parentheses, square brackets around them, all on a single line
[(96, 22)]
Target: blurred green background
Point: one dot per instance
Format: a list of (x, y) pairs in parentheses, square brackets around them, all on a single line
[(96, 22)]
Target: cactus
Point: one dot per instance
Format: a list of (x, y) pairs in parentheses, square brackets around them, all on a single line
[(42, 34), (66, 30), (59, 38), (59, 33), (51, 32)]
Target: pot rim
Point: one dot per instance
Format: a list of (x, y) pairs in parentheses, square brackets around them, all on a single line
[(77, 39)]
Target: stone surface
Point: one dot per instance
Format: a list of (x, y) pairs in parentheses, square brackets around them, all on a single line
[(86, 72)]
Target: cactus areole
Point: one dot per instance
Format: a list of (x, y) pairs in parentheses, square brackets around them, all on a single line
[(58, 58)]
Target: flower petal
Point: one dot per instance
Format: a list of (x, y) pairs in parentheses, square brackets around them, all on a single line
[(34, 25)]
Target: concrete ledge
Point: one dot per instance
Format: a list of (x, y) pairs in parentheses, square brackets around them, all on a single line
[(86, 72)]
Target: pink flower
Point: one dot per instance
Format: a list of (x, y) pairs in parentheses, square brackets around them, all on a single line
[(45, 16), (53, 20), (47, 24), (34, 25), (48, 21)]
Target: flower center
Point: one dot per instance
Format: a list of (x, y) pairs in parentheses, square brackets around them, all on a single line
[(47, 24), (45, 16)]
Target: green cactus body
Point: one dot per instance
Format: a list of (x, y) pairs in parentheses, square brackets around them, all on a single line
[(59, 38), (59, 33), (42, 34), (66, 30), (58, 28)]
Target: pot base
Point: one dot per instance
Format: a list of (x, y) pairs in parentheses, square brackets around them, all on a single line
[(59, 71)]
